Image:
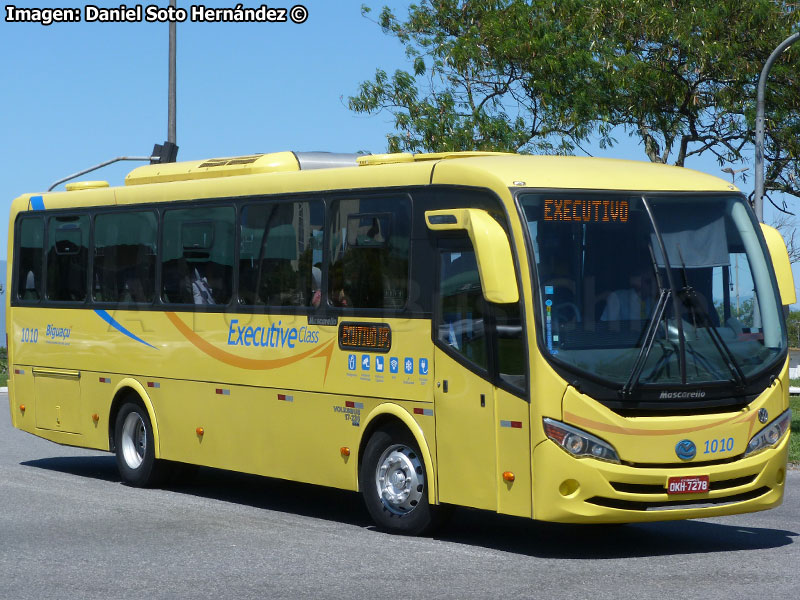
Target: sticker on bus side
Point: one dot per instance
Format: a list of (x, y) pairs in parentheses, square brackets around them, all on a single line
[(351, 411)]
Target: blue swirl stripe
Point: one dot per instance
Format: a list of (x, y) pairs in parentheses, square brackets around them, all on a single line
[(116, 325)]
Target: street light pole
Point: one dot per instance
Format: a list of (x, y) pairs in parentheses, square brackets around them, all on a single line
[(171, 126), (758, 196)]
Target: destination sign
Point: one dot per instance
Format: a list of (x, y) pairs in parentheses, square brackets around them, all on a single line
[(586, 211), (376, 337)]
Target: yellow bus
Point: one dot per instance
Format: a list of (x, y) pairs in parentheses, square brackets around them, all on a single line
[(558, 338)]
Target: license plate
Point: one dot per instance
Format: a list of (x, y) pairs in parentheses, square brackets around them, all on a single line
[(697, 484)]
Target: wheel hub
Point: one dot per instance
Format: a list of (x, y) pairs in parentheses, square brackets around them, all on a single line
[(400, 480), (134, 440)]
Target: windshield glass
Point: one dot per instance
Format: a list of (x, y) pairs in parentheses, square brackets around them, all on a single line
[(614, 307)]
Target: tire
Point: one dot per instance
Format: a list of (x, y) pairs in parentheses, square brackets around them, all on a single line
[(393, 482), (135, 450)]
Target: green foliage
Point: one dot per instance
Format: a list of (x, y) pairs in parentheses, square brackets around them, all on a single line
[(544, 76), (474, 86), (793, 328), (742, 313)]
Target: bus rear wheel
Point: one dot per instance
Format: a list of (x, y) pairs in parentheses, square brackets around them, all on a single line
[(392, 481), (135, 450)]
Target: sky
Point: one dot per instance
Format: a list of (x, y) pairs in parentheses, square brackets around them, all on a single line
[(77, 94)]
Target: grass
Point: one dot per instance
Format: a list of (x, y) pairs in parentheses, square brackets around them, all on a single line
[(794, 443)]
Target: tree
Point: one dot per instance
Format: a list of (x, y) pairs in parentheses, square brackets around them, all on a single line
[(793, 328), (545, 76)]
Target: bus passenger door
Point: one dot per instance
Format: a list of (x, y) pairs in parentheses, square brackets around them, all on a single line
[(464, 396)]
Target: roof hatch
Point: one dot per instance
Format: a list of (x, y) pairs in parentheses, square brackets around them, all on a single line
[(239, 165)]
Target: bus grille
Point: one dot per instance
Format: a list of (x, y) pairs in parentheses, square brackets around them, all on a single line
[(638, 488), (676, 504)]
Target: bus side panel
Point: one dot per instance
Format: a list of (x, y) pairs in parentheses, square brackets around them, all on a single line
[(272, 432), (20, 394), (96, 397), (287, 434), (197, 425), (513, 454)]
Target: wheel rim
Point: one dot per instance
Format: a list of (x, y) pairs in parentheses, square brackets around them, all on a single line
[(134, 440), (400, 479)]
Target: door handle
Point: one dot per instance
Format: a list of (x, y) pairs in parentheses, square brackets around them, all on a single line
[(444, 386), (483, 400)]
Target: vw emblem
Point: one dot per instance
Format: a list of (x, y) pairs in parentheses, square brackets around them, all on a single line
[(763, 415), (686, 450)]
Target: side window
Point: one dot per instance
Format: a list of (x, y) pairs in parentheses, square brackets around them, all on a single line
[(469, 326), (67, 257), (124, 257), (369, 240), (510, 353), (461, 311), (29, 259), (197, 255), (280, 254)]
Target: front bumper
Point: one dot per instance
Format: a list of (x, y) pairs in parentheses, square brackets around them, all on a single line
[(585, 490)]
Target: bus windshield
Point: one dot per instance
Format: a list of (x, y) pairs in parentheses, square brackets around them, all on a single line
[(662, 290)]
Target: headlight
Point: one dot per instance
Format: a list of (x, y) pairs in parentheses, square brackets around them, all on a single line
[(578, 442), (771, 435)]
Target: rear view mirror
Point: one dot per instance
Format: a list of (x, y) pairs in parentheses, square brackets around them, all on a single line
[(781, 264), (492, 250)]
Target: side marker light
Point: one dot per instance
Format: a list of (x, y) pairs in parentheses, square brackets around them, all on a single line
[(200, 431), (344, 451), (22, 408), (95, 417), (509, 477)]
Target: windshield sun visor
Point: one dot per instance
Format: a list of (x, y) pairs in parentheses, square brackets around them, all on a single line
[(694, 243)]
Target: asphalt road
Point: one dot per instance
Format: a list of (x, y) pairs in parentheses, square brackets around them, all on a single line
[(70, 529)]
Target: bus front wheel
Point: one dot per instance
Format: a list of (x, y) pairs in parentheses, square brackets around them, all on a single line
[(392, 480), (135, 450)]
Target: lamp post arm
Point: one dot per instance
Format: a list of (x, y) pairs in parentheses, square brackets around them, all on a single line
[(758, 196)]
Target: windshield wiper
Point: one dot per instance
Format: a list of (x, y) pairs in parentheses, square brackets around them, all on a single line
[(650, 332), (647, 344), (690, 301), (689, 298), (675, 303)]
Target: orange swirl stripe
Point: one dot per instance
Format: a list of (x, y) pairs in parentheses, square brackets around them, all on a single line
[(242, 362)]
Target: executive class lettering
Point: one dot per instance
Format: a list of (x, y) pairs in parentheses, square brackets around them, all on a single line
[(273, 336)]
